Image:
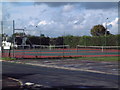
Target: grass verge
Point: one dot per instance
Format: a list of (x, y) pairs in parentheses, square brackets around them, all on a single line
[(8, 58), (80, 58)]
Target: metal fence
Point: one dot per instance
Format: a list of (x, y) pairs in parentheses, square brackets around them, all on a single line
[(10, 49), (39, 51)]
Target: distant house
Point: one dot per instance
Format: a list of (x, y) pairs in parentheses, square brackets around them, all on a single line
[(7, 45)]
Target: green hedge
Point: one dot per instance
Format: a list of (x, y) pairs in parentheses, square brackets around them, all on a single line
[(110, 40)]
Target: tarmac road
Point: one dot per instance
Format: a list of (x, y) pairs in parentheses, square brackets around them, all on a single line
[(57, 77)]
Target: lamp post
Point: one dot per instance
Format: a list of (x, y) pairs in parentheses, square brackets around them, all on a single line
[(40, 34), (63, 42), (106, 31), (17, 29)]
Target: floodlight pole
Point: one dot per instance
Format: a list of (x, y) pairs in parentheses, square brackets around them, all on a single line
[(39, 33), (106, 32), (14, 29), (13, 37), (63, 43), (39, 38), (2, 29)]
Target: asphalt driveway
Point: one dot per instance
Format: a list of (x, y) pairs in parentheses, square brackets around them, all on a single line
[(75, 64)]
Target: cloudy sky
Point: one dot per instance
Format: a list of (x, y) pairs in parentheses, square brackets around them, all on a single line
[(60, 18)]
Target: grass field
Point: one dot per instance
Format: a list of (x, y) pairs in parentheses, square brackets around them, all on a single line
[(83, 58)]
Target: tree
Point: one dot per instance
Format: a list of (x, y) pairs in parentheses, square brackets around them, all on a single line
[(18, 34), (38, 40), (44, 40), (42, 35), (59, 41), (99, 30)]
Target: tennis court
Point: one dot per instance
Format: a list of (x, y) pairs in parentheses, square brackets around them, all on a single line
[(97, 51)]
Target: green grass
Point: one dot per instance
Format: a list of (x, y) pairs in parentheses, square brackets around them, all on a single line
[(83, 58), (100, 58), (8, 58)]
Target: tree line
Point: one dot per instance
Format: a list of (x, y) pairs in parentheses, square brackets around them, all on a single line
[(100, 37), (109, 40)]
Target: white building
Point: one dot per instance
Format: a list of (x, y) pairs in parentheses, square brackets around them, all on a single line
[(7, 45)]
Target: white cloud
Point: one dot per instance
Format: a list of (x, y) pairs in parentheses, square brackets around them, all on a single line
[(114, 22), (54, 21), (76, 22), (42, 23), (112, 26), (31, 23), (51, 22), (45, 22), (68, 8)]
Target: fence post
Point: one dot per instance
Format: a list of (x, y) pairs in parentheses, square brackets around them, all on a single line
[(102, 48), (1, 39)]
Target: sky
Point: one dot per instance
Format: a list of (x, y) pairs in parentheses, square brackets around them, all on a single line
[(55, 19)]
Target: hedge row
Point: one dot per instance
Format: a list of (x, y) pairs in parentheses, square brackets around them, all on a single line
[(110, 40)]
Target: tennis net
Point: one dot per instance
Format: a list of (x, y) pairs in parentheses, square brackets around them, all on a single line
[(50, 47), (102, 48)]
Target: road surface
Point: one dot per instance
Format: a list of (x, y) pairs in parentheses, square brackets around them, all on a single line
[(57, 77)]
